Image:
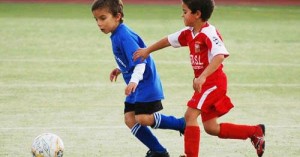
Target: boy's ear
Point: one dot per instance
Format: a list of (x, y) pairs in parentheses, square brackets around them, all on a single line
[(198, 14), (119, 16)]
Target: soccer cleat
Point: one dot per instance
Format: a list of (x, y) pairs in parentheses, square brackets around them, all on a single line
[(157, 154), (258, 140)]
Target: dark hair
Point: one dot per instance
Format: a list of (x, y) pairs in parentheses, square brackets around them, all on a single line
[(206, 7), (114, 6)]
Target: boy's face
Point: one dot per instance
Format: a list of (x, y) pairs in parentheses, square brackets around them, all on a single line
[(189, 18), (105, 20)]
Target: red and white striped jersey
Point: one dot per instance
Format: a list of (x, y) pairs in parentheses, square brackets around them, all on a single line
[(203, 47)]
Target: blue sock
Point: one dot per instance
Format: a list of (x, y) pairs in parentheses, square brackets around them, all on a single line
[(144, 134), (168, 122)]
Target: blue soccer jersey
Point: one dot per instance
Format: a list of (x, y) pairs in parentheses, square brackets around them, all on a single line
[(124, 43)]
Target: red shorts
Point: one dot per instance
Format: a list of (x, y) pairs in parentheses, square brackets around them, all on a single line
[(212, 101)]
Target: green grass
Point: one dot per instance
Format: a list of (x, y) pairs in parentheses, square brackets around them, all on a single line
[(55, 63)]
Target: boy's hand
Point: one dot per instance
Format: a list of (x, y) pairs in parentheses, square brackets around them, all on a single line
[(211, 68), (130, 88), (140, 53), (198, 82), (114, 74)]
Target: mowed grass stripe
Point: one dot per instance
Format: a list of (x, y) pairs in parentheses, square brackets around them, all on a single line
[(157, 61), (98, 85), (108, 127)]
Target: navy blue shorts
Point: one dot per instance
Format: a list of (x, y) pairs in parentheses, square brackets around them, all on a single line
[(143, 107)]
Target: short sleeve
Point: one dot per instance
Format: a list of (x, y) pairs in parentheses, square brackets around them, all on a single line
[(214, 42), (129, 46), (173, 39), (178, 39)]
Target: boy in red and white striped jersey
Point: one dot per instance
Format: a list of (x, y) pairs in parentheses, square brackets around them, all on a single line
[(207, 52)]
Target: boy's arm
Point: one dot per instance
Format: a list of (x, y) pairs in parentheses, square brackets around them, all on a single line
[(211, 68), (138, 73), (144, 53), (136, 77)]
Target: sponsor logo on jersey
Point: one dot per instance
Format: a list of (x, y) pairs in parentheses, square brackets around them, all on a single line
[(196, 62), (217, 41), (120, 61)]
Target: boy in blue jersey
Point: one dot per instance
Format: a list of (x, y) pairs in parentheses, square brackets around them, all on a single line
[(144, 90)]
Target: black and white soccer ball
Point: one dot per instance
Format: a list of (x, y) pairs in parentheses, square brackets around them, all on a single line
[(47, 145)]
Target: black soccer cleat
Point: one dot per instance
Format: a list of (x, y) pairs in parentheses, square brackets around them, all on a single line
[(157, 154)]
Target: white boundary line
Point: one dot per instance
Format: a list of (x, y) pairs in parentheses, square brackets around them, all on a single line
[(157, 61), (265, 85), (108, 84), (65, 128), (107, 127)]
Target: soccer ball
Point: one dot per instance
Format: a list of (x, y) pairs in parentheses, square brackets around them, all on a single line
[(47, 145)]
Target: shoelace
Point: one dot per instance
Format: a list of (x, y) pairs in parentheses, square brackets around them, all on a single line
[(260, 139)]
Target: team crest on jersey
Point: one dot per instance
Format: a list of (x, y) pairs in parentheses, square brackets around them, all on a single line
[(197, 47)]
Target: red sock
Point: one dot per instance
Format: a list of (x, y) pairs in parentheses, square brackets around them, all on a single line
[(234, 131), (191, 141)]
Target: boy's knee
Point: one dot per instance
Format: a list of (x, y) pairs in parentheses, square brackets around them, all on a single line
[(211, 130), (145, 120), (188, 117), (129, 124), (208, 130), (129, 121), (191, 120)]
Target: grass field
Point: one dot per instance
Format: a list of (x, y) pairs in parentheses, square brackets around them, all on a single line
[(55, 63)]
